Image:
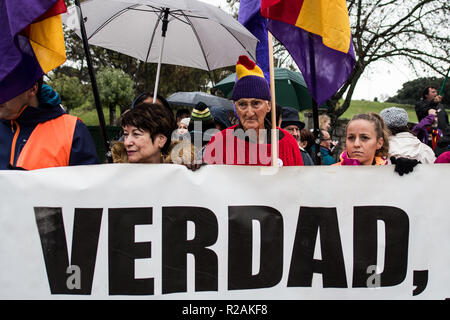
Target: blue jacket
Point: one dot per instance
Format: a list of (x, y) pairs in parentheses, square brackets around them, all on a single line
[(327, 158), (83, 148)]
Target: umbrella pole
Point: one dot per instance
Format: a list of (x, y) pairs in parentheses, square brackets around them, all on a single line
[(317, 133), (274, 140), (101, 117), (317, 158), (158, 70)]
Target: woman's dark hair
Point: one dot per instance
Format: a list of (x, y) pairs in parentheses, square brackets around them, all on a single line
[(151, 117), (182, 112), (308, 136), (145, 95)]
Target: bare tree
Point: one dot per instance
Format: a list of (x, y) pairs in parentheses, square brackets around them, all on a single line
[(415, 31)]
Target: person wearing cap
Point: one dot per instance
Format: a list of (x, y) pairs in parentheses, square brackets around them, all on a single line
[(36, 132), (402, 142), (290, 121), (249, 142), (201, 125)]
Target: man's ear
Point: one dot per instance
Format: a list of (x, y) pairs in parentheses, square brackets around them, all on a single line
[(34, 89), (31, 95)]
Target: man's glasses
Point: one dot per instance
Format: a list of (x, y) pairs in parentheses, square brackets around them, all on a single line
[(254, 104)]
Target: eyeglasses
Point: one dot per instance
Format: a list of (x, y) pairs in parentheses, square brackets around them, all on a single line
[(254, 103)]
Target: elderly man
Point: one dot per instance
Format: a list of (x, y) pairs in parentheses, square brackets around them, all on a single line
[(249, 142), (290, 121), (36, 132)]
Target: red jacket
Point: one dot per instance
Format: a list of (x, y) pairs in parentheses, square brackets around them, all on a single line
[(226, 148)]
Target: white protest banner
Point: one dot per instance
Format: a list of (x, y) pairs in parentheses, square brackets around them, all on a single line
[(153, 232)]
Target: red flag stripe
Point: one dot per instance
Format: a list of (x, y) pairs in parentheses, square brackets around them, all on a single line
[(58, 8), (281, 10)]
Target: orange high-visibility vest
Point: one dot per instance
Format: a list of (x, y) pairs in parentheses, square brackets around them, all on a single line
[(49, 144)]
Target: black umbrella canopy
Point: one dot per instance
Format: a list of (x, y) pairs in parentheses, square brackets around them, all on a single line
[(192, 98), (290, 88)]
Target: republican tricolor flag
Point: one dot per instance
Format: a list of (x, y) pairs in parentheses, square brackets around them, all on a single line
[(31, 43), (317, 35)]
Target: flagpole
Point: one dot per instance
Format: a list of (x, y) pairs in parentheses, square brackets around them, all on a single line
[(274, 140), (101, 117), (317, 133), (443, 83)]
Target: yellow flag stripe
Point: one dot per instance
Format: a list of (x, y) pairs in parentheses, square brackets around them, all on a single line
[(328, 19), (47, 40)]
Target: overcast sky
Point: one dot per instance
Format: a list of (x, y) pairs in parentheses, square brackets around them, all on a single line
[(380, 80)]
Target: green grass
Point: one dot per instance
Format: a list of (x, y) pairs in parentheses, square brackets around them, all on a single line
[(362, 106), (90, 117)]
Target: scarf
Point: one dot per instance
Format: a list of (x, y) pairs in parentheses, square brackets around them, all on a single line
[(346, 161)]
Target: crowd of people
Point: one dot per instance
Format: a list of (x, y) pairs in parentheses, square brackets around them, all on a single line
[(36, 132)]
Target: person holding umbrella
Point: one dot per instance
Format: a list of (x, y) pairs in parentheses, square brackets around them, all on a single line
[(432, 100), (249, 142)]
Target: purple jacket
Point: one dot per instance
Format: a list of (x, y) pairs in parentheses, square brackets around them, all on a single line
[(421, 129)]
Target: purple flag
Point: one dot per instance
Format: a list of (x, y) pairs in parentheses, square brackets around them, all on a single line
[(250, 17), (19, 68), (331, 68)]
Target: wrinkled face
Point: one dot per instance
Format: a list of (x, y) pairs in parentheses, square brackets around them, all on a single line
[(432, 93), (294, 130), (140, 147), (362, 141), (252, 112)]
